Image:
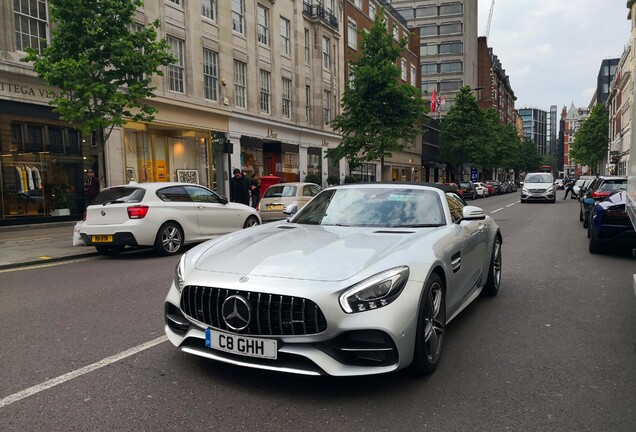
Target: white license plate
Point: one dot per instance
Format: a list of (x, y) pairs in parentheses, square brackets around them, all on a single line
[(241, 345)]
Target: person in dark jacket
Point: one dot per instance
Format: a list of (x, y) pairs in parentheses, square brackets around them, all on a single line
[(239, 188), (569, 188), (255, 187), (91, 186)]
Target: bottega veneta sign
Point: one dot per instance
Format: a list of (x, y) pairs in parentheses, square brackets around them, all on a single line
[(25, 90)]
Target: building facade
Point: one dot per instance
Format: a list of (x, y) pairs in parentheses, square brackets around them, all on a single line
[(497, 92), (619, 104), (604, 78), (254, 87), (572, 119), (552, 127), (535, 127)]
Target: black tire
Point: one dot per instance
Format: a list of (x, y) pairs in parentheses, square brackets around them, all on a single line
[(109, 250), (250, 222), (586, 222), (169, 240), (491, 288), (594, 246), (580, 214), (431, 326)]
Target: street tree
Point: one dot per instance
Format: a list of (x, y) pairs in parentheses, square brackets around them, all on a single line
[(592, 138), (509, 147), (100, 64), (529, 158), (380, 113), (461, 129)]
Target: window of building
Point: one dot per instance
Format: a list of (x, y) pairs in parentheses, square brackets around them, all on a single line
[(210, 74), (177, 2), (429, 68), (326, 61), (240, 84), (413, 75), (327, 106), (307, 42), (428, 50), (450, 8), (372, 11), (366, 172), (451, 66), (308, 102), (453, 47), (407, 13), (263, 25), (404, 70), (396, 32), (285, 44), (31, 24), (208, 9), (426, 11), (265, 90), (450, 85), (428, 86), (352, 35), (428, 30), (286, 102), (238, 16), (358, 3), (450, 28), (176, 70), (56, 140)]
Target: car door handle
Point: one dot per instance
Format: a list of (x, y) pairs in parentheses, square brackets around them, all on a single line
[(200, 206)]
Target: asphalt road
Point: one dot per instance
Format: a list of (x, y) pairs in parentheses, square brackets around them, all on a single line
[(555, 351)]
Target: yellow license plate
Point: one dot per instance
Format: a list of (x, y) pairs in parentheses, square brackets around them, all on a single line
[(275, 207), (102, 239)]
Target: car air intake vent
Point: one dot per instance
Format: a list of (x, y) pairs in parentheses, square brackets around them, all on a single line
[(286, 227), (393, 232), (537, 190), (269, 314)]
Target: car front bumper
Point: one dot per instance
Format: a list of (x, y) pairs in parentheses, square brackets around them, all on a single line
[(365, 343), (538, 196)]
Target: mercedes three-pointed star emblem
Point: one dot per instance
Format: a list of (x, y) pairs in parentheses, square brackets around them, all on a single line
[(236, 312)]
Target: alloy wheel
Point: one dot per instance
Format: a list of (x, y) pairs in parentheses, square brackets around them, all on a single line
[(435, 322), (171, 239)]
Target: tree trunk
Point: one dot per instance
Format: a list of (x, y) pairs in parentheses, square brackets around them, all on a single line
[(101, 158), (382, 168)]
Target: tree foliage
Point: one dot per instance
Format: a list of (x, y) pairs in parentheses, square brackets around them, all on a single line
[(99, 69), (380, 113), (461, 130), (592, 138)]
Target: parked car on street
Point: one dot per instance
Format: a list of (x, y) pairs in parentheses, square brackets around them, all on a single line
[(480, 189), (496, 186), (362, 280), (610, 227), (538, 186), (581, 184), (560, 183), (164, 216), (600, 188), (468, 190), (280, 195)]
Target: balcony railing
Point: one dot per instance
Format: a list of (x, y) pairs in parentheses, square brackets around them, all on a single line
[(320, 12)]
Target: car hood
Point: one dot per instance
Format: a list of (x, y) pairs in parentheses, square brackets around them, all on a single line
[(304, 252), (537, 185)]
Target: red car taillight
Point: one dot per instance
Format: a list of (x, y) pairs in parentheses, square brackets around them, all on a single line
[(137, 212), (84, 217), (600, 194)]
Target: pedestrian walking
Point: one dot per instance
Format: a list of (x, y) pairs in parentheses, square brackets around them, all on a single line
[(91, 186), (255, 190), (569, 188), (239, 188)]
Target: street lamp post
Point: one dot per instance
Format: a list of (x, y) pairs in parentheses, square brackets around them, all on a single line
[(461, 149)]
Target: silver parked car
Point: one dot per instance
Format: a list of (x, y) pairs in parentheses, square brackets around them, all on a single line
[(363, 280), (164, 216), (278, 196)]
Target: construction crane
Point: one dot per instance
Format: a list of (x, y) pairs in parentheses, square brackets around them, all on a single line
[(492, 9)]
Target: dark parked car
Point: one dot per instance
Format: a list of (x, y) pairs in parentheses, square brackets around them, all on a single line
[(610, 226), (496, 186), (467, 189), (599, 189)]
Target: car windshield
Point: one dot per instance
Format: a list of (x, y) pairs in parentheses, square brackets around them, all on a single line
[(280, 191), (464, 185), (120, 194), (374, 207), (539, 178)]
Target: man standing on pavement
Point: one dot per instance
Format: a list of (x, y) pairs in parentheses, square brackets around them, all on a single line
[(239, 188), (91, 186)]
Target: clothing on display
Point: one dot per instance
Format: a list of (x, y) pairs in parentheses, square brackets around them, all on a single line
[(27, 178)]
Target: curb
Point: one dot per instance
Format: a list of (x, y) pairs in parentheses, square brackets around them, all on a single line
[(46, 261)]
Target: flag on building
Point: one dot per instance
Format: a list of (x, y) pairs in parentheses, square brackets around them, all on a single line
[(434, 101)]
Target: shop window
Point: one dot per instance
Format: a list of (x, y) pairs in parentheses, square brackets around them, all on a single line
[(56, 140), (73, 142), (35, 138)]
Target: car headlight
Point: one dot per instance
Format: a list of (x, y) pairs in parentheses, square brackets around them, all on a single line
[(375, 292), (524, 190), (179, 281), (550, 189)]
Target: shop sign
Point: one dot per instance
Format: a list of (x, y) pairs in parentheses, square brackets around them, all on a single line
[(26, 90)]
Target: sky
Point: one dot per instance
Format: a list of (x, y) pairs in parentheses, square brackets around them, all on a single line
[(552, 49)]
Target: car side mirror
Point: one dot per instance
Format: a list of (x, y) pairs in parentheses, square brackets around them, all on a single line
[(471, 213), (291, 209)]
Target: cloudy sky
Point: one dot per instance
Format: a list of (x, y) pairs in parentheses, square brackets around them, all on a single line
[(552, 49)]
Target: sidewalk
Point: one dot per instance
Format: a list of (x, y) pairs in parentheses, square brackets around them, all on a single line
[(23, 245)]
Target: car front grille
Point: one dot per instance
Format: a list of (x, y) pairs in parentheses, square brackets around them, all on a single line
[(537, 190), (271, 314)]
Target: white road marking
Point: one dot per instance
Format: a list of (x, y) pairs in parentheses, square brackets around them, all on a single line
[(52, 264), (79, 372), (495, 211), (510, 205)]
